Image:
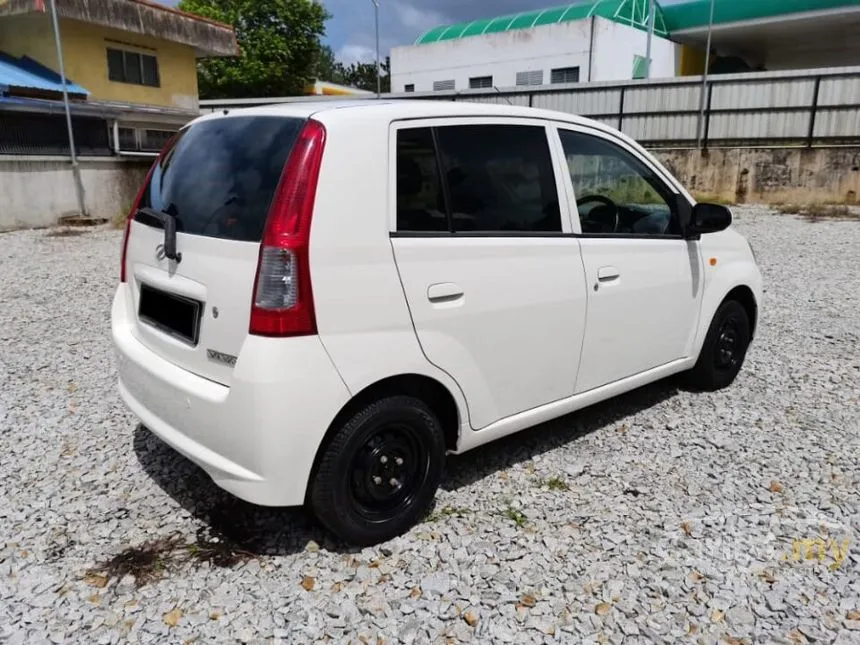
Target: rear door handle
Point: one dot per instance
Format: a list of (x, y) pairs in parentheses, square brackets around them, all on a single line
[(607, 274), (444, 292)]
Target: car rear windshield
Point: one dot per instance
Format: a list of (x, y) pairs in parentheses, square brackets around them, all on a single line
[(219, 176)]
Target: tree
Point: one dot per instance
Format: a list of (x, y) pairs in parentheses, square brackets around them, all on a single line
[(279, 42), (363, 75)]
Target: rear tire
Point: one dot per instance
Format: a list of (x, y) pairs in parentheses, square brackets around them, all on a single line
[(379, 473), (724, 349)]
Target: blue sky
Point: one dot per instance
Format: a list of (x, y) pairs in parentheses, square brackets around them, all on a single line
[(350, 31)]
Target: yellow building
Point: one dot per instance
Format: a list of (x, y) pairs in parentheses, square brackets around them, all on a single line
[(124, 51)]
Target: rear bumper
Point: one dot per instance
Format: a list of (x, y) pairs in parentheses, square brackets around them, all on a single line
[(257, 438)]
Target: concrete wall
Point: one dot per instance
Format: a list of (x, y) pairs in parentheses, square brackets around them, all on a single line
[(37, 191), (85, 57), (548, 47), (769, 175)]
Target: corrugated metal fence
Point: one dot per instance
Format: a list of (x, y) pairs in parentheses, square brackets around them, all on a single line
[(807, 107)]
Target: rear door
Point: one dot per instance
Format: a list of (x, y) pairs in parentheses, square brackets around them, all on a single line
[(217, 179), (490, 268)]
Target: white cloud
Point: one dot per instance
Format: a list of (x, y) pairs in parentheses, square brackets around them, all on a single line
[(417, 19), (354, 53)]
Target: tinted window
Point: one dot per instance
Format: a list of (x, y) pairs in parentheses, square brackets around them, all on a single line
[(479, 82), (150, 70), (115, 65), (132, 68), (499, 178), (420, 204), (219, 177), (615, 192)]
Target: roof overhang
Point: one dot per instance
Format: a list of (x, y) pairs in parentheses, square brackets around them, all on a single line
[(813, 33), (209, 38)]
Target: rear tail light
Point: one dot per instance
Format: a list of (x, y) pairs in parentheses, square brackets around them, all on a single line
[(136, 205), (283, 301)]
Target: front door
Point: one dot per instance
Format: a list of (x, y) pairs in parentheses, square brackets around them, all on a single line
[(490, 269), (644, 280)]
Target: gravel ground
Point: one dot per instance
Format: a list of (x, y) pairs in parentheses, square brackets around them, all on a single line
[(660, 516)]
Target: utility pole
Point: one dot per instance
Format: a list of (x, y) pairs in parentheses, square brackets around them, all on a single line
[(76, 170), (378, 68), (652, 10), (699, 133)]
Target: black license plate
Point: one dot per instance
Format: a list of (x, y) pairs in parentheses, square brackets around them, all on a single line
[(175, 315)]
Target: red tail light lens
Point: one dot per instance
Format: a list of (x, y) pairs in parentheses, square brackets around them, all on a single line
[(136, 205), (283, 302)]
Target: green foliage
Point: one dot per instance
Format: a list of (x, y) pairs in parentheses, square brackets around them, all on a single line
[(279, 42), (516, 516)]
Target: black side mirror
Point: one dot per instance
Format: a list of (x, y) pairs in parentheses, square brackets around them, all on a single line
[(708, 218)]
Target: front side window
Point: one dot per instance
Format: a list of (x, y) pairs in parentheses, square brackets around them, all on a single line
[(132, 67), (616, 194)]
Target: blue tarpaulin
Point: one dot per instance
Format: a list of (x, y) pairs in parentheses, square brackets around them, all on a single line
[(26, 73)]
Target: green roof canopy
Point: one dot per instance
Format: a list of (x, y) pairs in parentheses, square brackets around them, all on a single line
[(679, 16), (626, 12), (693, 14)]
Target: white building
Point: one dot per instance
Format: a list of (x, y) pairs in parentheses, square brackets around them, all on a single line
[(599, 40)]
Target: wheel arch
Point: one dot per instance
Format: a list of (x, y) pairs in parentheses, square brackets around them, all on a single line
[(744, 295), (433, 393)]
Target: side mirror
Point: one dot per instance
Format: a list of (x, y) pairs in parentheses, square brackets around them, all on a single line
[(708, 218)]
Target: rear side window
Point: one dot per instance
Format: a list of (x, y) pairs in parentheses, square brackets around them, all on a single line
[(219, 177), (420, 202), (495, 178)]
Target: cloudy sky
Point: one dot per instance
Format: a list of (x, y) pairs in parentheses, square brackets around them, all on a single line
[(350, 32)]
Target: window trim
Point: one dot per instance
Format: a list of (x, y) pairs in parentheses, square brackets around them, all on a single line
[(672, 186), (553, 145)]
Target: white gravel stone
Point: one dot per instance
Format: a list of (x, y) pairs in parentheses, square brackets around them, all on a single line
[(668, 521)]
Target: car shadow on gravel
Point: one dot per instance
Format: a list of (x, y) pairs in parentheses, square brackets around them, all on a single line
[(237, 526), (466, 469), (240, 528)]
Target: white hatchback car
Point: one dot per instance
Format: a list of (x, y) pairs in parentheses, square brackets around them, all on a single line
[(318, 301)]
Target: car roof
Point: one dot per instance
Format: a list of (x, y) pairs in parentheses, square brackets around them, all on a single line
[(396, 109)]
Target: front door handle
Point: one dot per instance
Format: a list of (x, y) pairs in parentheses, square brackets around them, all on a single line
[(607, 274), (444, 292)]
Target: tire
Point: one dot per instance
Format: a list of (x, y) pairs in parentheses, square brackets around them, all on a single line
[(379, 472), (724, 349)]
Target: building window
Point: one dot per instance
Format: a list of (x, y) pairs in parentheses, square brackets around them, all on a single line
[(565, 75), (132, 67), (440, 86), (480, 82), (409, 88), (534, 77)]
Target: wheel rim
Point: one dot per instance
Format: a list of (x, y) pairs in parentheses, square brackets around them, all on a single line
[(388, 471), (729, 349)]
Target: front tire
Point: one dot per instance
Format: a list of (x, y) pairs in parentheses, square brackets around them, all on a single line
[(379, 473), (724, 349)]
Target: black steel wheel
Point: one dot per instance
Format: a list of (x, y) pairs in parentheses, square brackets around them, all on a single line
[(379, 472), (724, 349)]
